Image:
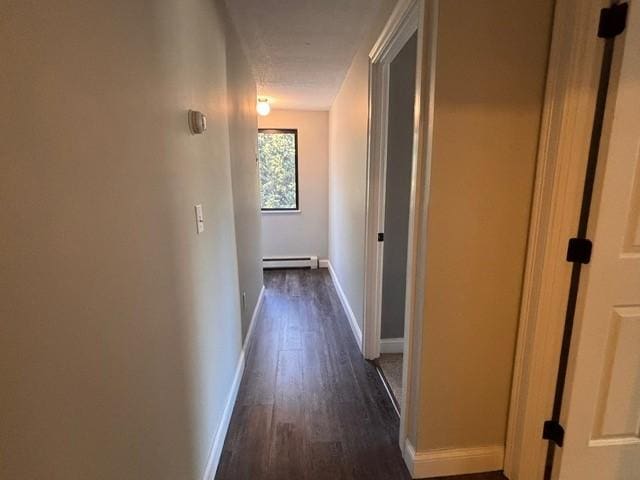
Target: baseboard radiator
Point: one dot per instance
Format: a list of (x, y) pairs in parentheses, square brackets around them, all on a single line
[(290, 262)]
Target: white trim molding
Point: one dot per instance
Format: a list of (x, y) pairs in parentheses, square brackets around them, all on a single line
[(453, 461), (279, 212), (418, 211), (353, 323), (223, 427), (402, 24), (256, 310), (391, 345), (567, 120), (408, 17)]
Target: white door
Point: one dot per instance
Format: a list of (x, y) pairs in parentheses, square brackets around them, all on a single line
[(601, 413)]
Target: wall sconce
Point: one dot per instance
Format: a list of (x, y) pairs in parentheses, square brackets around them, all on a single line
[(263, 108), (197, 122)]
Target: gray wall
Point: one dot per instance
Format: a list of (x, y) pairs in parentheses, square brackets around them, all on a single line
[(120, 325), (489, 92), (243, 129), (402, 81), (348, 120)]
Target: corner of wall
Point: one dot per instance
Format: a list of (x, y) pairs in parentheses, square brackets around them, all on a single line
[(243, 125), (453, 461)]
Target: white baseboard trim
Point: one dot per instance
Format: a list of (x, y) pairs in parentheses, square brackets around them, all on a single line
[(323, 263), (357, 333), (256, 309), (455, 461), (290, 261), (221, 432), (391, 345)]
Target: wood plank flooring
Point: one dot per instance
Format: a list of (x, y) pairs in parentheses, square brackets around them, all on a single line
[(309, 406)]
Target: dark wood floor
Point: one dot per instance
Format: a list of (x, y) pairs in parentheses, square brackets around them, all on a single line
[(309, 406)]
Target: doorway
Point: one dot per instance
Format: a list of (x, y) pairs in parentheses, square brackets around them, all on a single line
[(412, 19), (397, 188)]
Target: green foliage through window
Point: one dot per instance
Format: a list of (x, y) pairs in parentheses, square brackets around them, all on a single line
[(277, 157)]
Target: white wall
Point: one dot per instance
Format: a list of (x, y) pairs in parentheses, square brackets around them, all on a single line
[(348, 170), (303, 232), (120, 325), (243, 128)]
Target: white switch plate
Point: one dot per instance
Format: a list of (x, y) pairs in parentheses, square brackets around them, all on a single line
[(199, 219)]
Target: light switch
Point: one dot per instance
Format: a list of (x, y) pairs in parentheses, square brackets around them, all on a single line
[(199, 219)]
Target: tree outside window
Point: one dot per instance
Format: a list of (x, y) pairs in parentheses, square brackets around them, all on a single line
[(278, 161)]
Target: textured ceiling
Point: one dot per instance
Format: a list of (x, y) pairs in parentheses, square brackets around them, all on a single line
[(300, 50)]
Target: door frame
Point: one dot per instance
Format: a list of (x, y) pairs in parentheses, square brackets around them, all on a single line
[(402, 24), (567, 116), (407, 18), (570, 98)]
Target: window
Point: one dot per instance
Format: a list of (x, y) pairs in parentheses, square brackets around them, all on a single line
[(278, 161)]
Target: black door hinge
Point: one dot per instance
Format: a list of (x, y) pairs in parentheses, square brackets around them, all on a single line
[(613, 20), (554, 432), (579, 250), (381, 237)]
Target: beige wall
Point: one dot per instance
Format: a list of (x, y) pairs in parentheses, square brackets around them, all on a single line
[(348, 120), (243, 128), (120, 327), (304, 232), (490, 75)]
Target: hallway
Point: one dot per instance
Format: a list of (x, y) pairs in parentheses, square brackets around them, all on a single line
[(309, 406)]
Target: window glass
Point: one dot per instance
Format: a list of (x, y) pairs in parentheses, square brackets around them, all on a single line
[(278, 160)]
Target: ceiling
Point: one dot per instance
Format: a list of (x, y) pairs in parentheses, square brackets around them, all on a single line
[(300, 50)]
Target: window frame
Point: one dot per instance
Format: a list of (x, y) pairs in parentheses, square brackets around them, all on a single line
[(294, 131)]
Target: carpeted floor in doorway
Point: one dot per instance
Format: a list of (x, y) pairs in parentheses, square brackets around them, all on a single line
[(391, 366)]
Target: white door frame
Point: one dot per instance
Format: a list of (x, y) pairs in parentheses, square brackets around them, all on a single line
[(563, 150), (402, 24), (572, 83), (408, 17)]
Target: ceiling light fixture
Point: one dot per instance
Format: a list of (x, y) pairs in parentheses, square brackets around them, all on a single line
[(263, 107)]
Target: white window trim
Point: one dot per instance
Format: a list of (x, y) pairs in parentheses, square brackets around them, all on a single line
[(279, 212)]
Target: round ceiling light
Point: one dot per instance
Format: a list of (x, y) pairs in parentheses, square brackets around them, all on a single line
[(263, 107)]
